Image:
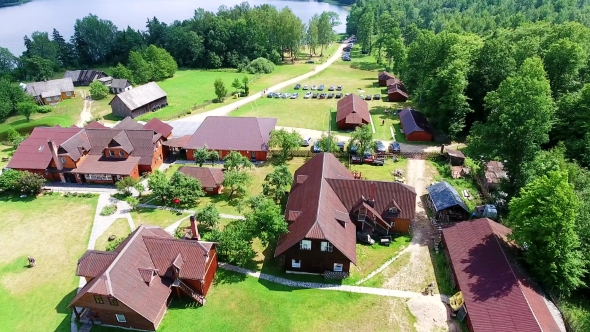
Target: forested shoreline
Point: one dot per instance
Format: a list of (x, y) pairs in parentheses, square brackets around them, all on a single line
[(7, 3)]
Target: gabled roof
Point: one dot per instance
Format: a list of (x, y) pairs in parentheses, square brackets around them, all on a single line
[(141, 142), (396, 86), (34, 153), (159, 127), (147, 248), (127, 124), (384, 76), (413, 121), (141, 95), (95, 125), (93, 164), (120, 83), (353, 109), (94, 262), (444, 196), (50, 88), (497, 295), (84, 75), (233, 133), (208, 176), (76, 145), (455, 153)]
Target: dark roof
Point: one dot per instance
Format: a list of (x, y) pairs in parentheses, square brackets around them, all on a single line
[(84, 76), (93, 262), (141, 142), (323, 194), (127, 124), (50, 88), (98, 164), (72, 74), (141, 95), (75, 146), (444, 196), (353, 109), (159, 127), (396, 86), (147, 248), (233, 133), (34, 153), (384, 76), (497, 295), (119, 83), (413, 120), (208, 176), (455, 153)]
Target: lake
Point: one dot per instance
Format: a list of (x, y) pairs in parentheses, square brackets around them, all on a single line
[(44, 15)]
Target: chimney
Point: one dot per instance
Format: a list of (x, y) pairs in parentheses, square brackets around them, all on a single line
[(194, 229), (58, 164), (442, 148), (372, 189)]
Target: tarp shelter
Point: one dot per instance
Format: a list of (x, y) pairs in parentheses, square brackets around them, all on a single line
[(446, 202)]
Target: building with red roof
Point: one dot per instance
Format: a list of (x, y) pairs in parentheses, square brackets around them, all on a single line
[(415, 125), (211, 179), (352, 111), (131, 286), (326, 208), (498, 295)]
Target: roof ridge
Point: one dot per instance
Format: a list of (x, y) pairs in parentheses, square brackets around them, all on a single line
[(178, 240), (259, 130)]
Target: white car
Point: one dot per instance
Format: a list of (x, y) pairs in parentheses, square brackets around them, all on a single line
[(307, 95), (306, 141)]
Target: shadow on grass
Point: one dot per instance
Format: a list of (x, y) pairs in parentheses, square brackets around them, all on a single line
[(112, 117), (16, 198), (228, 277), (369, 66)]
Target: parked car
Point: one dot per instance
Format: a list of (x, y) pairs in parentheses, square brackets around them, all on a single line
[(331, 88), (380, 147), (321, 87), (394, 147), (339, 88), (314, 87), (297, 86), (286, 95), (315, 95), (270, 95), (353, 148), (306, 141), (377, 97), (307, 95), (295, 95), (346, 59), (341, 145), (348, 94), (306, 87), (309, 61), (368, 97), (316, 147), (323, 96), (278, 95), (338, 95), (330, 95), (346, 49), (362, 96)]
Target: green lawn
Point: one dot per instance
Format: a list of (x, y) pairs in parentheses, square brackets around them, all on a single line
[(54, 230), (155, 217), (369, 258), (5, 151), (380, 173), (444, 173), (120, 228)]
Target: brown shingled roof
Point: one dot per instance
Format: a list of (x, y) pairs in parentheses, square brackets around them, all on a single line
[(497, 295), (98, 164), (34, 152), (384, 76), (208, 176), (353, 109), (127, 124), (141, 142), (159, 127), (93, 262)]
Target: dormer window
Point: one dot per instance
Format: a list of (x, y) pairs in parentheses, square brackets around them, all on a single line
[(63, 160), (121, 154), (393, 210), (111, 153)]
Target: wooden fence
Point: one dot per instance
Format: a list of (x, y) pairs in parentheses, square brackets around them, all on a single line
[(345, 154)]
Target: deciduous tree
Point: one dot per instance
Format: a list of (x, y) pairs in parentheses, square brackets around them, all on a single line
[(236, 182), (208, 216), (235, 161), (328, 144), (265, 219), (26, 109), (126, 184), (363, 137), (98, 90), (186, 189), (277, 183), (159, 185), (220, 90), (285, 141)]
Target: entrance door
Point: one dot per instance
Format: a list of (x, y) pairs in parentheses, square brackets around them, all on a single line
[(70, 178), (253, 155)]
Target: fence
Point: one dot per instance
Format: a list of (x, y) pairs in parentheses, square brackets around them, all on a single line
[(345, 154)]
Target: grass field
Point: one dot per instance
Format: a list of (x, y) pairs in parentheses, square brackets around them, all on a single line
[(155, 217), (5, 152), (444, 173), (380, 173), (54, 230), (120, 228)]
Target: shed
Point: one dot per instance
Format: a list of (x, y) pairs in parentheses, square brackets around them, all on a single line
[(494, 174), (415, 125), (119, 85), (383, 77), (396, 90), (446, 203), (352, 112), (456, 157), (135, 102), (211, 179)]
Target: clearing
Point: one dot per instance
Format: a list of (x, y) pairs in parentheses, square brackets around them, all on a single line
[(54, 230), (120, 229), (155, 217)]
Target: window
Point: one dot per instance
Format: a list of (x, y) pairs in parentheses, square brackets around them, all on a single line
[(55, 98), (327, 246), (48, 99), (111, 153), (113, 301), (68, 93), (121, 154), (63, 160), (337, 267), (121, 318), (305, 245), (98, 299), (98, 177), (296, 263), (393, 210)]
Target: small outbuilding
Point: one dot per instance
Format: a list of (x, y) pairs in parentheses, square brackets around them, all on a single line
[(456, 157), (135, 102), (396, 91), (384, 77), (494, 174), (415, 125), (211, 178), (352, 111), (119, 85), (446, 203)]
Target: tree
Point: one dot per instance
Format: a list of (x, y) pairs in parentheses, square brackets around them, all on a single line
[(132, 201), (542, 219), (285, 141), (98, 90), (35, 68), (214, 157), (313, 34), (93, 39), (159, 185), (9, 179), (246, 83), (30, 183), (235, 161), (139, 187), (141, 69), (161, 63), (66, 56), (126, 184), (277, 183), (363, 136), (563, 62), (7, 61), (40, 45), (328, 145), (325, 31), (365, 31), (521, 111), (186, 189), (235, 243), (208, 216), (265, 219), (10, 95), (571, 124), (26, 109), (220, 90), (201, 155), (236, 84), (236, 182), (122, 72)]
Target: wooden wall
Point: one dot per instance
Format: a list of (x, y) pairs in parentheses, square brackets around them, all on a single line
[(315, 260)]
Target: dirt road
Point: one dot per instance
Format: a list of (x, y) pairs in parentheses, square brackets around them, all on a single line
[(85, 115)]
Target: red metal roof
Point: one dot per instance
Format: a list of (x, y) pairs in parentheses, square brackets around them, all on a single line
[(497, 295), (93, 262), (233, 133), (208, 176), (413, 121), (353, 109), (159, 127), (384, 76), (127, 124), (95, 125)]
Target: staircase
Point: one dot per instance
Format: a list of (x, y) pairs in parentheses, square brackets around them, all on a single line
[(189, 291)]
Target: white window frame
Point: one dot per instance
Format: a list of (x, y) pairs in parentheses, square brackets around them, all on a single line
[(296, 263), (111, 153), (305, 245), (121, 154), (98, 177), (338, 267), (121, 318), (327, 246)]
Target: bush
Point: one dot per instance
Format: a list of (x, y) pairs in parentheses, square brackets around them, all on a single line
[(260, 66), (98, 90), (21, 182), (112, 245), (132, 201), (108, 210), (45, 109)]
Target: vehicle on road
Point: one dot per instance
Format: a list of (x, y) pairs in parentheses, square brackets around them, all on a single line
[(380, 147), (297, 86), (306, 141), (346, 59), (377, 97), (270, 95), (309, 61), (278, 95), (316, 147), (394, 147), (307, 95)]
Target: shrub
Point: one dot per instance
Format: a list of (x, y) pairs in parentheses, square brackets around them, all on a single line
[(108, 210), (9, 180), (98, 90), (125, 185), (45, 109), (30, 183), (132, 201), (112, 245), (260, 66)]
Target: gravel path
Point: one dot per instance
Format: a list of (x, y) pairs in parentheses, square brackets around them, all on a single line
[(85, 115)]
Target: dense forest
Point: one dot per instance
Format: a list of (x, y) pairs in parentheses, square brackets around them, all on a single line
[(4, 3)]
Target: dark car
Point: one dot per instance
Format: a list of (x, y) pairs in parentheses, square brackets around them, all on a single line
[(368, 97), (297, 87), (377, 97), (321, 87), (338, 95), (330, 95), (331, 88), (316, 148), (270, 95), (380, 147), (323, 96), (341, 145), (353, 148), (394, 147), (315, 95), (339, 88), (309, 61), (346, 49)]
